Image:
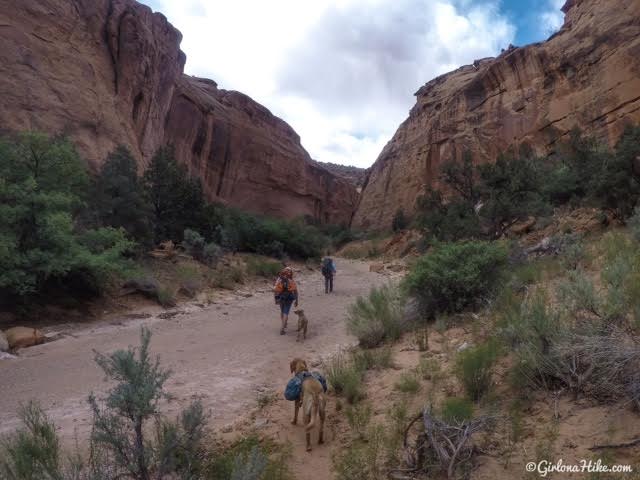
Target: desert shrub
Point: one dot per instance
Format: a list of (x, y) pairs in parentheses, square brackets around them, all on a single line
[(376, 317), (526, 274), (429, 369), (634, 224), (358, 417), (363, 460), (398, 415), (578, 294), (400, 221), (532, 321), (129, 438), (193, 243), (121, 423), (456, 410), (373, 359), (212, 254), (263, 267), (474, 369), (408, 383), (248, 458), (572, 250), (166, 297), (221, 278), (456, 276), (43, 185), (33, 451), (344, 377), (250, 466), (361, 250)]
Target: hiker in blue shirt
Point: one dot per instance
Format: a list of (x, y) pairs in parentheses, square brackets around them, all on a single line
[(328, 271)]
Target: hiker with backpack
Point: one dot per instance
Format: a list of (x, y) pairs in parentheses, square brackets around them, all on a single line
[(286, 293), (328, 271)]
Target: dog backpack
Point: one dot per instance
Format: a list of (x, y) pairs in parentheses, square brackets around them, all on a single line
[(294, 386), (293, 389)]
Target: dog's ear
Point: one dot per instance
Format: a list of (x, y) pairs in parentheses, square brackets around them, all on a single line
[(292, 365)]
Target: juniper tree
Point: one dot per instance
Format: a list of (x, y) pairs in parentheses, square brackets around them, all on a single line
[(177, 201), (119, 198), (43, 187)]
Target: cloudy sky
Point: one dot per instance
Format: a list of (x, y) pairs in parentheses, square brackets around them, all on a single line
[(342, 73)]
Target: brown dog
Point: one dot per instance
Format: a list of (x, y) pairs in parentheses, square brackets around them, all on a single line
[(302, 324), (312, 401)]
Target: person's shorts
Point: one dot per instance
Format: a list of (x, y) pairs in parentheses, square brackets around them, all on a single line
[(285, 307)]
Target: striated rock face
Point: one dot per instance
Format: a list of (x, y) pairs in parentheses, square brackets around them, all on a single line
[(587, 75), (109, 72)]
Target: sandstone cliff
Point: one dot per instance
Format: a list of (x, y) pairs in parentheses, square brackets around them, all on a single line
[(109, 72), (586, 75)]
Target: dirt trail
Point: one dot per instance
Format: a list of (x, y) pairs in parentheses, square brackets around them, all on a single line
[(223, 353)]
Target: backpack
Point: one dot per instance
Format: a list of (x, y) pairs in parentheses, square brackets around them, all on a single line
[(294, 387), (286, 295), (327, 267)]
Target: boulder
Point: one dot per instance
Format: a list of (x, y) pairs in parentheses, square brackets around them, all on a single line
[(22, 337), (4, 343)]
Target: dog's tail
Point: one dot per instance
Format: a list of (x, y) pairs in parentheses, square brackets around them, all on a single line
[(313, 410)]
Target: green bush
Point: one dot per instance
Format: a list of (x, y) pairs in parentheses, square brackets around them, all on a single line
[(430, 369), (263, 267), (166, 297), (474, 368), (129, 438), (407, 383), (123, 420), (363, 460), (193, 243), (532, 321), (43, 184), (456, 410), (249, 458), (578, 294), (377, 317), (634, 224), (239, 231), (358, 417), (373, 359), (344, 377), (33, 451), (456, 276)]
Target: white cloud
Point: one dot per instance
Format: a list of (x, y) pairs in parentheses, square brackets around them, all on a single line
[(552, 18), (341, 72)]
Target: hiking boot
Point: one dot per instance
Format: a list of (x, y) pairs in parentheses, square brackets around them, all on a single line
[(282, 331)]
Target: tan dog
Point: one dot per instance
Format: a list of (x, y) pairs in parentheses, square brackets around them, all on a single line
[(302, 324), (312, 401)]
